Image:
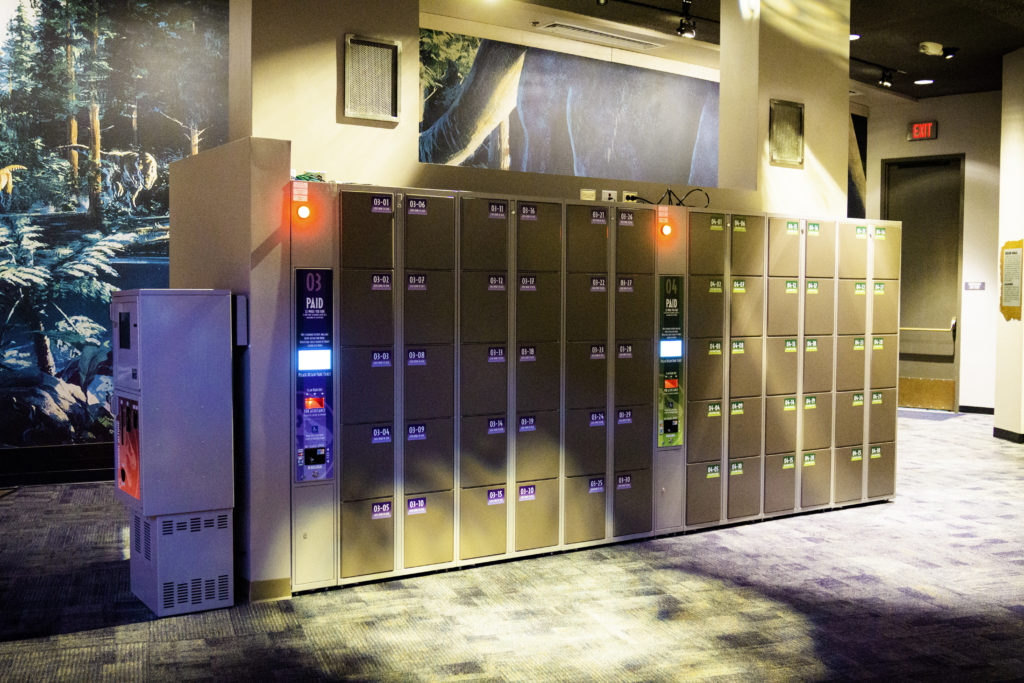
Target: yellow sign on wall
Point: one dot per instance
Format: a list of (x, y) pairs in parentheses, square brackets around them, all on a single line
[(1010, 259)]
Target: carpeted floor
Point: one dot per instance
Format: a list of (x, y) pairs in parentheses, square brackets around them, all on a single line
[(930, 586)]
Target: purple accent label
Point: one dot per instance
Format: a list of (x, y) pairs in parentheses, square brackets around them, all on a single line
[(527, 283), (528, 492), (416, 357), (497, 209), (597, 418), (596, 485), (380, 282), (380, 510), (416, 506), (599, 216), (381, 203), (495, 496), (380, 359), (527, 212), (527, 354), (416, 282), (495, 354), (625, 351), (496, 425), (626, 219), (599, 283), (624, 481), (417, 432), (314, 389), (625, 284), (381, 434), (625, 417), (528, 423), (495, 283), (597, 352), (417, 206)]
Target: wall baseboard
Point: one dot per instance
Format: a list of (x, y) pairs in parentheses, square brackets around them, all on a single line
[(977, 409), (1007, 435), (258, 591)]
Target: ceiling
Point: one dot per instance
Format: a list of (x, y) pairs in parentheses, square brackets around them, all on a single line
[(890, 30)]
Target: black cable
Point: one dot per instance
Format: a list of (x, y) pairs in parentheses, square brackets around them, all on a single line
[(707, 198)]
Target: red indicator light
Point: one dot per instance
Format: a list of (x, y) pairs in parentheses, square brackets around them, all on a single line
[(666, 229), (671, 384), (314, 402)]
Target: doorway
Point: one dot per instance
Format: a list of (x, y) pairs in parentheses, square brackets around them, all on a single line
[(926, 194)]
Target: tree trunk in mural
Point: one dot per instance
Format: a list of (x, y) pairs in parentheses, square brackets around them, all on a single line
[(40, 342), (72, 107), (96, 149)]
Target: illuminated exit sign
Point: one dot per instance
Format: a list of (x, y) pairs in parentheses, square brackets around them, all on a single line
[(923, 130)]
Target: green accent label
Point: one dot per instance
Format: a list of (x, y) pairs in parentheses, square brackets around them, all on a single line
[(792, 286), (715, 410), (878, 343), (739, 286), (860, 288), (671, 319), (736, 408), (735, 468), (788, 462), (858, 343), (714, 471), (813, 229), (811, 345), (714, 348), (876, 452), (879, 232), (808, 459), (739, 224), (792, 345), (879, 288), (789, 404), (792, 228), (810, 402), (714, 287), (812, 286), (862, 232), (856, 455), (858, 400), (738, 346), (717, 223), (876, 398)]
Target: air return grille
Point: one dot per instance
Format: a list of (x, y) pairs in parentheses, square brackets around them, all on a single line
[(372, 68)]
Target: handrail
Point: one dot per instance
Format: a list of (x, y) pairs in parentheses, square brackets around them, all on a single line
[(951, 329)]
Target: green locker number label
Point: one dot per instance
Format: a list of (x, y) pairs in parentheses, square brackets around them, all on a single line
[(813, 229), (714, 410), (738, 346), (739, 286), (878, 343), (810, 402), (714, 287), (858, 343), (717, 223), (735, 468), (879, 232), (862, 232), (788, 462), (858, 400), (739, 224), (714, 471), (812, 345), (789, 404), (876, 398), (856, 455), (714, 348), (812, 286), (808, 459), (792, 286), (876, 452), (880, 288), (736, 408), (792, 345), (792, 228), (860, 288)]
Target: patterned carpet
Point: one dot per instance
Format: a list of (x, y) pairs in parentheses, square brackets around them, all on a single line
[(930, 586)]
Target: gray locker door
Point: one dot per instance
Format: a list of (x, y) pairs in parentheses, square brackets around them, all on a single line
[(821, 249), (852, 304), (585, 447), (634, 372), (779, 482), (704, 368), (631, 502), (783, 305), (538, 306), (885, 316), (429, 381), (367, 384), (367, 231), (881, 469), (483, 379), (367, 308), (816, 475), (585, 374), (884, 356), (429, 232), (538, 376), (704, 431), (819, 307), (584, 508), (429, 529), (484, 234), (744, 427), (703, 492), (537, 445), (539, 236), (850, 418), (850, 359), (707, 243), (429, 307), (367, 461), (634, 437), (853, 249), (744, 488), (817, 421), (484, 307), (818, 365), (483, 453), (747, 301), (429, 455), (882, 415), (587, 238), (634, 306), (635, 241), (849, 473), (887, 245), (745, 366), (781, 356), (783, 247), (367, 537), (482, 522), (586, 306), (706, 303), (748, 245), (536, 514), (780, 424)]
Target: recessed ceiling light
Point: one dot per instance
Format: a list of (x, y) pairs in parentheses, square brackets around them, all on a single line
[(924, 81), (854, 36)]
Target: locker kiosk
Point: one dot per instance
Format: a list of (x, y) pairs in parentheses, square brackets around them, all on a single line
[(849, 474)]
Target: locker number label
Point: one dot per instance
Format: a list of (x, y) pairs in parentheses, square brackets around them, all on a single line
[(495, 354), (596, 485), (739, 224), (879, 232), (717, 223), (792, 346), (416, 282), (858, 400), (625, 417), (597, 352), (860, 288), (599, 216), (714, 471), (878, 343), (495, 496), (380, 359), (736, 408), (380, 282), (626, 219), (623, 482), (417, 206), (861, 232), (416, 506), (497, 210), (380, 510), (876, 452), (812, 286), (597, 418), (792, 228), (527, 354), (416, 357), (789, 404), (527, 283), (380, 434), (876, 398), (714, 409), (598, 284), (528, 423), (810, 402), (811, 345), (879, 288), (735, 468), (739, 286), (625, 351), (496, 425), (714, 286), (858, 343), (788, 462), (417, 432), (739, 346), (813, 229), (792, 286), (856, 455), (381, 203), (625, 284), (527, 212), (528, 492), (714, 348), (809, 459), (496, 283)]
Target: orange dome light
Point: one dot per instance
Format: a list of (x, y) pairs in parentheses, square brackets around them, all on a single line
[(303, 211), (666, 229)]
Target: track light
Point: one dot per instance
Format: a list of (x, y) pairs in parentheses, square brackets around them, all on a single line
[(602, 3), (687, 26), (950, 52), (886, 80)]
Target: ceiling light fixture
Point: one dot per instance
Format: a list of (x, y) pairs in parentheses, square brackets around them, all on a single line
[(950, 52), (886, 80), (854, 36), (924, 81), (929, 48), (687, 26), (602, 3)]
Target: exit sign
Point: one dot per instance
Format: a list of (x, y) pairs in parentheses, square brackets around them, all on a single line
[(923, 130)]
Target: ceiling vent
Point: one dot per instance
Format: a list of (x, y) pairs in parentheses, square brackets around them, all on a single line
[(591, 35)]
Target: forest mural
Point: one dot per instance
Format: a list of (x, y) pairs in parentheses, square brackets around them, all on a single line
[(490, 104), (96, 99)]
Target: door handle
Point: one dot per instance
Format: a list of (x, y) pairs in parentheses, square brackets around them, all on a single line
[(952, 328)]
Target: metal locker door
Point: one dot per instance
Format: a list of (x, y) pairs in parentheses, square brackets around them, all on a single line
[(483, 452), (850, 363), (586, 306), (429, 529), (819, 307), (881, 469), (703, 493), (747, 245), (886, 299), (484, 306), (484, 234), (816, 478), (744, 488), (852, 313), (585, 374), (747, 301), (482, 522), (780, 424), (429, 232), (707, 305), (536, 514), (483, 379), (367, 384), (783, 305), (849, 473), (537, 445), (367, 230), (585, 447), (367, 310), (704, 368), (584, 508), (887, 240), (539, 236), (882, 416), (884, 357), (781, 357), (538, 376), (633, 439), (707, 243), (634, 372), (634, 306), (818, 365), (367, 461), (850, 418), (429, 382), (429, 307), (817, 421), (538, 307), (635, 241), (853, 249), (779, 482), (744, 427), (704, 431), (586, 238), (429, 455), (367, 537), (745, 366), (821, 249), (631, 502), (783, 248)]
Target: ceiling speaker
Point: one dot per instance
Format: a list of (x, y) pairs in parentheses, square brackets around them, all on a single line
[(372, 69)]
